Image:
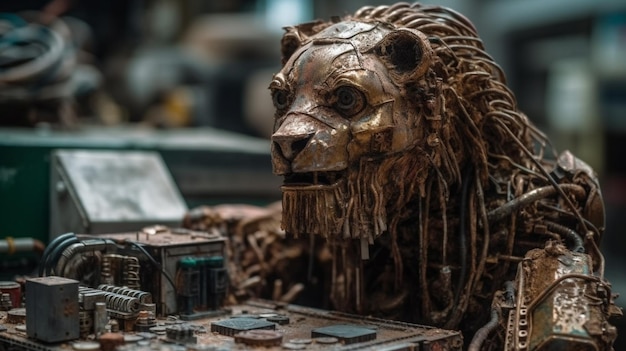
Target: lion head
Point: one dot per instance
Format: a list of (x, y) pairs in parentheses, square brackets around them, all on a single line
[(372, 108)]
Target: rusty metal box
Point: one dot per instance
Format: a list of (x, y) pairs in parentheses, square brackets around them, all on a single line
[(52, 309), (168, 247), (105, 191)]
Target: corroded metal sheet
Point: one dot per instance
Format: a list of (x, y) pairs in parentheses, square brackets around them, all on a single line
[(390, 335)]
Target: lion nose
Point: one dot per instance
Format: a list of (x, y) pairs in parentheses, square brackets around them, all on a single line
[(293, 135), (290, 146)]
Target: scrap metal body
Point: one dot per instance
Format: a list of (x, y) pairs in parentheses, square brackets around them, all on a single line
[(402, 147)]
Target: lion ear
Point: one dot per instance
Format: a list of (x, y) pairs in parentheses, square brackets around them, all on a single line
[(295, 36), (289, 44), (406, 52)]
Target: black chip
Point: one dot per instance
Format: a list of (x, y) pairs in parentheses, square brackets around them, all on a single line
[(232, 326), (348, 334)]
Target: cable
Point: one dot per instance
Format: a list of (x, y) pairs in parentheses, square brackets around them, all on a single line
[(53, 243), (51, 246), (153, 261), (33, 57), (462, 233), (577, 244), (482, 333), (509, 292), (42, 73), (58, 252), (80, 247), (531, 196)]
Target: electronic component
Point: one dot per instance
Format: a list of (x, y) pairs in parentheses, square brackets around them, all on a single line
[(14, 291), (554, 302), (182, 269), (16, 316), (180, 334), (157, 269), (348, 334), (232, 326), (110, 341), (201, 285), (52, 312), (259, 337), (5, 302), (100, 318)]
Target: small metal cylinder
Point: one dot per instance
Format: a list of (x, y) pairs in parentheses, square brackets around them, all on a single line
[(13, 245), (5, 302), (203, 268), (111, 341), (150, 307), (14, 290), (114, 326), (100, 318), (187, 285)]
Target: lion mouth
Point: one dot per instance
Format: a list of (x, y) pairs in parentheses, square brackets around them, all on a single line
[(313, 179)]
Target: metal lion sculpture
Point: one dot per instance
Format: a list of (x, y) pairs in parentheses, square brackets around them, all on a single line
[(415, 190), (440, 203)]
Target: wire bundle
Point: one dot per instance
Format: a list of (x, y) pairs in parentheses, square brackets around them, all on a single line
[(39, 63)]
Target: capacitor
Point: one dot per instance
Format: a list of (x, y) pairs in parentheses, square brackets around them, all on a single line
[(204, 282), (260, 337), (150, 307), (111, 341), (180, 333), (187, 284), (218, 282), (5, 302), (100, 318), (14, 290), (16, 316), (145, 321)]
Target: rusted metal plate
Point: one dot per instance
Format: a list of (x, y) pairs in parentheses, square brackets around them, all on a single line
[(303, 322)]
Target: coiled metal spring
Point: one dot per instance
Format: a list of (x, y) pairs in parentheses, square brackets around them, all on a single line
[(115, 301), (131, 272), (106, 271), (121, 303), (142, 296)]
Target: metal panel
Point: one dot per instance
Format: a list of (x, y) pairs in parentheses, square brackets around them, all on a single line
[(103, 191)]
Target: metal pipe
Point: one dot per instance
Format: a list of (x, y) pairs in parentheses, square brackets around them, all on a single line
[(100, 318), (11, 245), (531, 196)]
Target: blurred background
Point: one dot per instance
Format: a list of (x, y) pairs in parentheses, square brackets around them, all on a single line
[(188, 78)]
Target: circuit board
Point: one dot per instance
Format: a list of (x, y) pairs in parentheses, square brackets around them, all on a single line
[(257, 324)]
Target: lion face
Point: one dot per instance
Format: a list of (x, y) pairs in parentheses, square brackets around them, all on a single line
[(341, 110)]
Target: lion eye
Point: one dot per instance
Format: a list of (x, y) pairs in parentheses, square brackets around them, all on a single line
[(280, 98), (349, 101)]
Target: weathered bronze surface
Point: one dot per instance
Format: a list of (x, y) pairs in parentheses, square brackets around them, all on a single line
[(413, 180)]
